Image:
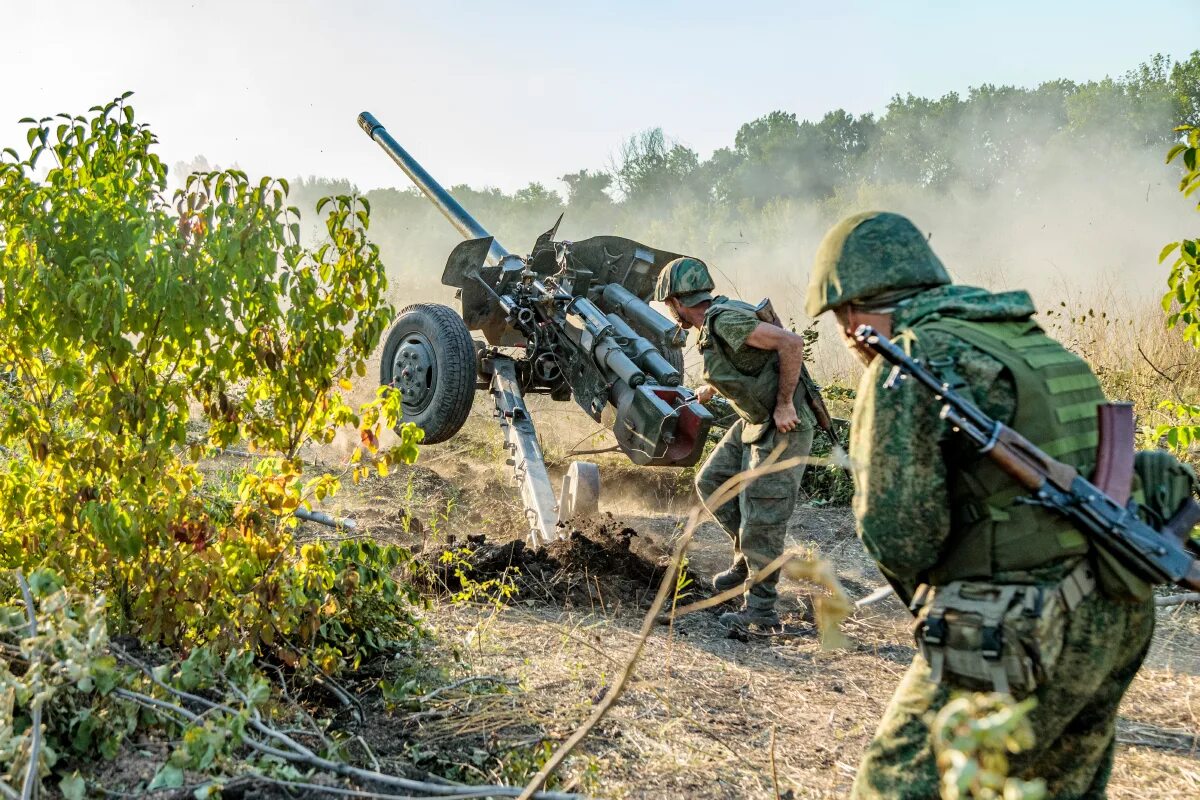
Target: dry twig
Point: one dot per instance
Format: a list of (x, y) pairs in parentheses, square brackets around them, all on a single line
[(1177, 599), (774, 773), (30, 788), (299, 754)]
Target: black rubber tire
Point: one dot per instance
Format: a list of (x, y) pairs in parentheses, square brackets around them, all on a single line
[(447, 380)]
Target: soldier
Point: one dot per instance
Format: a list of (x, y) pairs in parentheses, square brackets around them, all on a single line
[(1008, 596), (756, 366)]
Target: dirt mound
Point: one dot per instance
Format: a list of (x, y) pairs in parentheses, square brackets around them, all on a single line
[(598, 566)]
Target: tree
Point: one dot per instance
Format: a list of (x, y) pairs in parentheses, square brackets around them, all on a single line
[(1184, 85), (142, 331), (588, 189), (1182, 301), (654, 170)]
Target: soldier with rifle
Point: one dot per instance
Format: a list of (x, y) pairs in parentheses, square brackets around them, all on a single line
[(756, 365), (971, 432)]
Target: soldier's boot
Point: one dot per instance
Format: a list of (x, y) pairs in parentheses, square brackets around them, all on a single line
[(758, 610), (765, 618), (734, 576)]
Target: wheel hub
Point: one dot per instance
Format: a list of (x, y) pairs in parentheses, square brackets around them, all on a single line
[(414, 372)]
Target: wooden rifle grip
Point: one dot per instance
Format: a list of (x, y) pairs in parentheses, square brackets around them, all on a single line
[(1114, 456)]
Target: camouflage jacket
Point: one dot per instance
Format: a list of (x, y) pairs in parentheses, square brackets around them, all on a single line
[(898, 440)]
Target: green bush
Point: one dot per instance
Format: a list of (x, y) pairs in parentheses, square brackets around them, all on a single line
[(126, 317)]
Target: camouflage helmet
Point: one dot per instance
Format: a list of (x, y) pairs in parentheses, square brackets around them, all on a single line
[(685, 278), (869, 255)]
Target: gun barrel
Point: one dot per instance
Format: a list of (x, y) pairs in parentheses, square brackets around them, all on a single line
[(462, 221), (644, 354), (618, 300), (592, 331)]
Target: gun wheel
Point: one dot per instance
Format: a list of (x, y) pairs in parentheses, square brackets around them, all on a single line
[(429, 356)]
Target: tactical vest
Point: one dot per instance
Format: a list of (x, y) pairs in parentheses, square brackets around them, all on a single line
[(1056, 399), (751, 395)]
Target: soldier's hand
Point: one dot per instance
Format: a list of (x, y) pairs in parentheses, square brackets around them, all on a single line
[(785, 417), (705, 393)]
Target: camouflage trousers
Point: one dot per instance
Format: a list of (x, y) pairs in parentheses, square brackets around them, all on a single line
[(756, 520), (1074, 723)]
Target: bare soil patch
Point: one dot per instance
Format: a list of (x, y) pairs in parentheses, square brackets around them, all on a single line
[(597, 566)]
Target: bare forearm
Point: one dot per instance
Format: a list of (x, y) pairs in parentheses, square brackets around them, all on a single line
[(791, 360)]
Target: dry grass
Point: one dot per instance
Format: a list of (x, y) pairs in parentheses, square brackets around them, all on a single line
[(699, 715)]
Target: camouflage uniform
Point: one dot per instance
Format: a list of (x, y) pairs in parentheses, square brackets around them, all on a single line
[(757, 521), (749, 378), (905, 460)]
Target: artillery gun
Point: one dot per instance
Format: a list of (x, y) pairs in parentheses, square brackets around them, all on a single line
[(571, 320)]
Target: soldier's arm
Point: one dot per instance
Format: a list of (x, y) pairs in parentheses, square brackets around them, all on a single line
[(901, 504), (790, 348)]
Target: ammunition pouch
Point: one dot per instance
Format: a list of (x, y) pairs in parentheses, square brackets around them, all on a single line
[(1162, 484), (997, 637)]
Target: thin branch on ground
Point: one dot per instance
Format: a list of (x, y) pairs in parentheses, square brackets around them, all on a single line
[(344, 697), (876, 597), (425, 698), (614, 692), (35, 742), (299, 754), (774, 773), (1177, 599), (251, 779)]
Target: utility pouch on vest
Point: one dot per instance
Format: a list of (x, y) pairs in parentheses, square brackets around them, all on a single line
[(1162, 487), (992, 636)]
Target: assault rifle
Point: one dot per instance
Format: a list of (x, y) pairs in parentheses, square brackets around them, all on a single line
[(1157, 556)]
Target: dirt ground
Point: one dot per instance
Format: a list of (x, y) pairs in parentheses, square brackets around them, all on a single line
[(705, 715)]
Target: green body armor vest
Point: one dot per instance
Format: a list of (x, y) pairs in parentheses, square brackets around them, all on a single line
[(752, 395), (992, 537), (753, 392)]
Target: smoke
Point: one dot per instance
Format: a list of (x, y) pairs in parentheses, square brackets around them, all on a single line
[(1060, 190), (1068, 229)]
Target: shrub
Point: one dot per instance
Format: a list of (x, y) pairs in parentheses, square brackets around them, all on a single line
[(126, 319)]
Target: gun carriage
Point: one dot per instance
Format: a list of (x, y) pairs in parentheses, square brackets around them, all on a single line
[(571, 320)]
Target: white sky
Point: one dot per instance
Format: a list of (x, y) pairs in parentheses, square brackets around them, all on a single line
[(504, 93)]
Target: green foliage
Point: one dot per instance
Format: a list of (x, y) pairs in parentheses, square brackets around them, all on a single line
[(126, 318), (973, 736), (494, 591), (1182, 302), (62, 670)]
